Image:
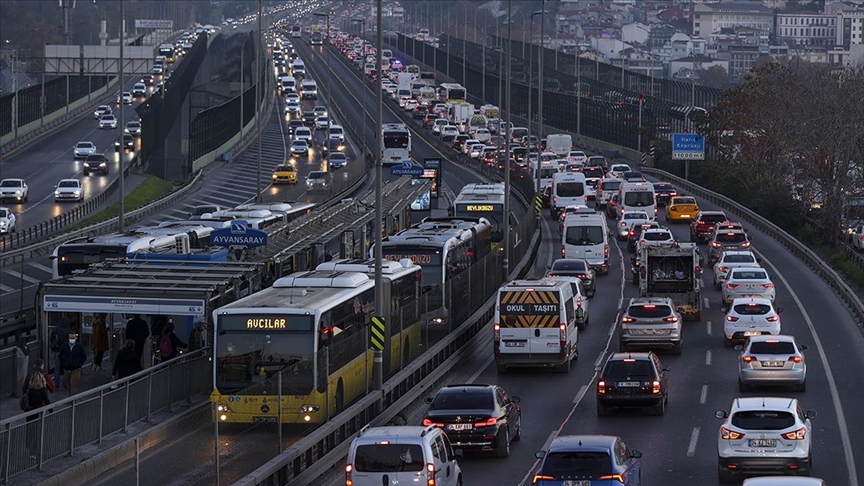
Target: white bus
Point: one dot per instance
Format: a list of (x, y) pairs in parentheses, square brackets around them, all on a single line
[(452, 93), (397, 143)]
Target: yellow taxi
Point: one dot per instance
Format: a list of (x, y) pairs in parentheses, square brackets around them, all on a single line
[(284, 174), (681, 208)]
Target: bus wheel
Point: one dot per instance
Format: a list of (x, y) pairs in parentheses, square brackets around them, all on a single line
[(340, 395)]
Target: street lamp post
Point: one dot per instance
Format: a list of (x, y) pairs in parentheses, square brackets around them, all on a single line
[(362, 23), (121, 224), (577, 73), (507, 238), (259, 96), (377, 360), (531, 86), (540, 54), (327, 40)]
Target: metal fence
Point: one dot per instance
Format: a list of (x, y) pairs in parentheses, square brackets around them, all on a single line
[(31, 439), (59, 93)]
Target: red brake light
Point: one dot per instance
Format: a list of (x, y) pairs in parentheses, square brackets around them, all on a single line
[(613, 477), (486, 423), (649, 306), (731, 286), (727, 434), (748, 359), (601, 387), (655, 387), (772, 318), (799, 434), (767, 286), (627, 319), (731, 318), (670, 319), (542, 477)]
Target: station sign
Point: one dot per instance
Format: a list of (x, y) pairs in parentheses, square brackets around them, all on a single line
[(407, 168), (239, 234), (688, 146), (124, 305)]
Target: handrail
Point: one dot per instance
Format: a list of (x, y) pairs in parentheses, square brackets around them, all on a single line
[(801, 251)]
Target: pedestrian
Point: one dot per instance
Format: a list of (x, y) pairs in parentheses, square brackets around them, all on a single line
[(169, 343), (99, 340), (35, 389), (22, 361), (59, 335), (198, 336), (136, 330), (72, 358), (127, 362)]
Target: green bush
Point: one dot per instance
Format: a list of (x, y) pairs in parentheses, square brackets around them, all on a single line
[(151, 189)]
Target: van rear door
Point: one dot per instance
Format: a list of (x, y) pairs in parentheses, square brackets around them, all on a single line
[(529, 321)]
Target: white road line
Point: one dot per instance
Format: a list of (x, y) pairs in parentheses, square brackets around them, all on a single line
[(694, 439), (581, 394), (599, 358), (480, 370), (832, 383), (6, 288), (704, 396), (19, 276), (708, 358), (41, 267), (706, 303), (708, 327)]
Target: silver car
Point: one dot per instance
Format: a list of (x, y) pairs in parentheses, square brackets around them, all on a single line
[(747, 281), (772, 360), (69, 190), (83, 149), (732, 259)]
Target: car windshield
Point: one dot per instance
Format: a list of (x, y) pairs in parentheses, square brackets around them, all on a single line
[(593, 172), (382, 458), (731, 238), (763, 420), (739, 259), (299, 143), (568, 266), (752, 309), (337, 157), (4, 213), (611, 185), (584, 235), (656, 236), (713, 218), (649, 311), (577, 463), (133, 124), (749, 275), (627, 369), (96, 158), (68, 184), (684, 200), (772, 347), (635, 215), (463, 399), (85, 145), (10, 183), (284, 168), (663, 187), (316, 175)]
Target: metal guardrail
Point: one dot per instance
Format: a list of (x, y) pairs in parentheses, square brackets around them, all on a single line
[(808, 256), (31, 439)]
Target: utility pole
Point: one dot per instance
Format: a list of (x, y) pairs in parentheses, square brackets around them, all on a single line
[(259, 96), (121, 223), (540, 54), (506, 223), (378, 357), (15, 93), (530, 91)]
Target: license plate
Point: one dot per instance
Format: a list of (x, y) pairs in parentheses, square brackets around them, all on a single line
[(762, 442), (514, 344), (259, 420), (752, 333), (772, 364), (571, 482), (628, 383), (459, 426)]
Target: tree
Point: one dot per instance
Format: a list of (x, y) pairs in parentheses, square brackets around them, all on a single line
[(716, 77)]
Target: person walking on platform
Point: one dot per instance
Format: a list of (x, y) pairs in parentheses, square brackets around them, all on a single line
[(36, 388), (99, 341), (169, 343), (127, 362), (72, 358), (136, 330), (59, 335)]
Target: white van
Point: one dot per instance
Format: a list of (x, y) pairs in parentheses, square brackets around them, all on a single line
[(568, 189), (309, 89), (536, 324), (559, 143), (637, 196), (402, 454), (288, 84), (586, 236), (606, 188)]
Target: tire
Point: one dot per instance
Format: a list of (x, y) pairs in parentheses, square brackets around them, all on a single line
[(602, 410), (728, 343), (502, 443), (518, 436), (660, 409), (725, 475), (565, 366)]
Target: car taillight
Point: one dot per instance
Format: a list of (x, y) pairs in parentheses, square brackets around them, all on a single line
[(563, 252), (427, 422), (714, 244), (670, 319), (700, 223), (655, 387), (430, 474), (799, 434), (542, 477), (349, 468), (748, 359), (772, 318), (746, 244), (623, 224), (486, 423), (767, 286), (721, 269), (627, 319), (673, 208), (613, 477), (727, 434), (632, 233), (601, 387), (796, 359), (582, 276), (732, 286), (731, 318), (606, 251)]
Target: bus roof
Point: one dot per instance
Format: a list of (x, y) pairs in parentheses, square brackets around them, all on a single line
[(389, 268)]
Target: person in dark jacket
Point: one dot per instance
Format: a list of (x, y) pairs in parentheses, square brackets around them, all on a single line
[(36, 387), (167, 352), (136, 330), (72, 358), (127, 362)]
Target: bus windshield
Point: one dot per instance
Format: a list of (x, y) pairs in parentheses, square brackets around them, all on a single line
[(395, 140), (493, 212), (429, 261)]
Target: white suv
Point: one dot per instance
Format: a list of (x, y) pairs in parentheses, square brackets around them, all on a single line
[(764, 434), (402, 455)]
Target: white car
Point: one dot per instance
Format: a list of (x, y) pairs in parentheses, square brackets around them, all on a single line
[(15, 189), (127, 98), (139, 90), (772, 360), (410, 104), (7, 220), (655, 237), (449, 131), (856, 233), (783, 481), (304, 134), (337, 132), (337, 160), (133, 128), (156, 69), (732, 259), (764, 434), (622, 227), (83, 149), (617, 170), (322, 122), (107, 122), (292, 107), (466, 145), (69, 190), (482, 135), (475, 150), (320, 111), (577, 157), (299, 147), (748, 317), (101, 111), (292, 98), (745, 282)]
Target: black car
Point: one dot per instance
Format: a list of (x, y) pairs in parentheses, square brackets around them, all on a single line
[(636, 231), (128, 142), (294, 124), (309, 118), (632, 380), (333, 145), (419, 112), (576, 267), (480, 417), (95, 163), (663, 191)]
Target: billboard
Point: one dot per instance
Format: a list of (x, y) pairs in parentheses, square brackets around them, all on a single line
[(154, 24)]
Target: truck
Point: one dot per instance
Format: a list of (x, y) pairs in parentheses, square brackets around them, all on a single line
[(460, 115), (404, 79), (490, 111), (673, 271)]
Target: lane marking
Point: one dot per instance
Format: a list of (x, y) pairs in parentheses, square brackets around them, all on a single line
[(708, 358), (704, 396), (20, 276), (694, 439), (480, 369), (6, 288), (708, 327), (832, 383), (706, 303), (581, 394), (41, 267)]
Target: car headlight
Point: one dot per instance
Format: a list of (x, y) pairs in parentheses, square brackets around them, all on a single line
[(103, 164), (2, 223), (17, 193), (77, 193), (56, 193)]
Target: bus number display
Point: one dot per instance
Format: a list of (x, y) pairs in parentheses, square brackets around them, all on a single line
[(266, 323), (480, 207), (418, 259)]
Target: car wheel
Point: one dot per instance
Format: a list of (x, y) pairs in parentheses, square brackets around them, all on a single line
[(725, 475), (502, 443), (660, 408), (602, 410), (565, 366), (728, 343), (518, 436)]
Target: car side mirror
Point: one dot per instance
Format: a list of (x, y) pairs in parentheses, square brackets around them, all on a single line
[(667, 368), (515, 399), (635, 454), (739, 347), (803, 347), (779, 310), (428, 400), (758, 260), (598, 369), (540, 454), (458, 453), (720, 414), (810, 414)]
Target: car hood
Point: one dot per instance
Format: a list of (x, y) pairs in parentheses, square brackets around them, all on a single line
[(5, 219), (69, 190), (11, 190)]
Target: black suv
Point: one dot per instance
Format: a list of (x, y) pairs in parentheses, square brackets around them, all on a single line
[(575, 267), (293, 125), (478, 417), (95, 163), (309, 118), (128, 143), (633, 380), (636, 230), (663, 192)]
